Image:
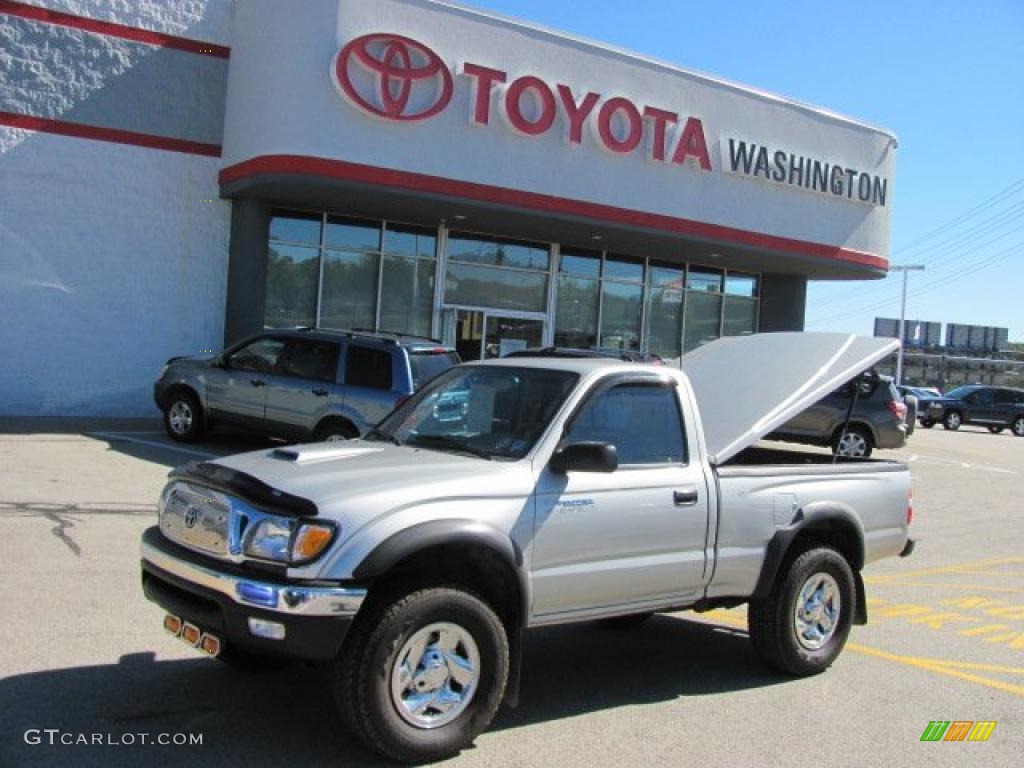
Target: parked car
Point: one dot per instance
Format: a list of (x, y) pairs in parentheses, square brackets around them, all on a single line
[(997, 408), (297, 384), (409, 564), (924, 396), (878, 419), (627, 355)]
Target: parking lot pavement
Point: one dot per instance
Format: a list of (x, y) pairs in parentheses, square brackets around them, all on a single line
[(84, 653)]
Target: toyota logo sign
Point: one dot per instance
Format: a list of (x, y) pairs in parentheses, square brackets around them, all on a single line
[(393, 77)]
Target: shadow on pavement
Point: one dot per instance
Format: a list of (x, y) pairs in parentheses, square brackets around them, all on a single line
[(287, 717)]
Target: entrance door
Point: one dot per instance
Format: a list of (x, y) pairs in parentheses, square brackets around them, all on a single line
[(481, 335)]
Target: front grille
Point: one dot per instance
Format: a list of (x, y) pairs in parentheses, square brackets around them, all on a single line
[(198, 518)]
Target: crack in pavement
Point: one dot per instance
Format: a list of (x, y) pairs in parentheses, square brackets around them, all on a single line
[(61, 515), (62, 526)]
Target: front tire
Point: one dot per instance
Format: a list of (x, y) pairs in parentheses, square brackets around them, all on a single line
[(927, 423), (1018, 426), (803, 624), (422, 674), (952, 421), (184, 421)]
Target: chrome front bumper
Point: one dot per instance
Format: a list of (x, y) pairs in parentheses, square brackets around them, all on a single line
[(289, 599)]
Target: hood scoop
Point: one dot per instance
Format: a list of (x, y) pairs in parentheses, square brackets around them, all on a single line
[(312, 452)]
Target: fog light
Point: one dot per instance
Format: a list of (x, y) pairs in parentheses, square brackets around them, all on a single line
[(210, 645), (258, 594), (172, 624), (190, 634), (271, 630)]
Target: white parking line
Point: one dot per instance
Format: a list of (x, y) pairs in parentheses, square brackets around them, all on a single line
[(961, 464), (124, 437)]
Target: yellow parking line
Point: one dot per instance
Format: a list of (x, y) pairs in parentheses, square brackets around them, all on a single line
[(938, 666), (968, 587), (943, 569)]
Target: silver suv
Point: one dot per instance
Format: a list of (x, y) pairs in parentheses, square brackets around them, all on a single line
[(297, 384)]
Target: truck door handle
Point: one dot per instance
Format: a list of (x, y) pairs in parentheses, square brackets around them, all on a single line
[(685, 497), (257, 383), (320, 392)]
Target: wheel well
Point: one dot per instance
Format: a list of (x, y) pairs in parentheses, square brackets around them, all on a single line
[(837, 534), (178, 388), (350, 429), (858, 426), (474, 567)]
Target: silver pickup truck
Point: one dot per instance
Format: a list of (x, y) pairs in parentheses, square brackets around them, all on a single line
[(518, 493)]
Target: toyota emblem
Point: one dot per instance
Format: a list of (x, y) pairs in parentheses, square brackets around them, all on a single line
[(191, 517), (393, 77)]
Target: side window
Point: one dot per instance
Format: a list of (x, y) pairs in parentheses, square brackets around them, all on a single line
[(1007, 397), (310, 359), (368, 367), (641, 420), (981, 397), (258, 357)]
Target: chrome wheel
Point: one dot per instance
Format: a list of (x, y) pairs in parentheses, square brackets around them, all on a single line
[(435, 675), (953, 421), (180, 417), (816, 614), (852, 444)]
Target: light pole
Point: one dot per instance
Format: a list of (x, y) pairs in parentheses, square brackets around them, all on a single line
[(904, 268)]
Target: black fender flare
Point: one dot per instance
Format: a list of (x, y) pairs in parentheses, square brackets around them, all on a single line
[(423, 536), (821, 516)]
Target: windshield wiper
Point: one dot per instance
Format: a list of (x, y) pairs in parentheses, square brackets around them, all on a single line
[(443, 441)]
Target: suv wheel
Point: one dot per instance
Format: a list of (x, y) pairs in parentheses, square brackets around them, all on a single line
[(803, 624), (335, 431), (996, 430), (1018, 426), (927, 423), (183, 417), (952, 421), (855, 442), (422, 674)]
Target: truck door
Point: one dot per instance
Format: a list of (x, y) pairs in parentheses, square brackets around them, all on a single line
[(633, 536)]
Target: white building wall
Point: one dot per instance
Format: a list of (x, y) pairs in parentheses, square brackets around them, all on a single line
[(112, 257)]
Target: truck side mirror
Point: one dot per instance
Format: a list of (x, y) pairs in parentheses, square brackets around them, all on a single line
[(585, 457)]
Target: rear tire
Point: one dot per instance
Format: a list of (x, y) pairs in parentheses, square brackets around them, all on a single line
[(952, 421), (184, 421), (855, 442), (996, 430), (335, 430), (803, 624), (422, 674), (927, 423)]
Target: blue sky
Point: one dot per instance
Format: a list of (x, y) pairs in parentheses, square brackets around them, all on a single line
[(946, 77)]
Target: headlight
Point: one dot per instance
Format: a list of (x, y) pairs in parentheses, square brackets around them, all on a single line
[(288, 541)]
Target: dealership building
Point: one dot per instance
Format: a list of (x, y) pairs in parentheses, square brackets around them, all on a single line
[(175, 176)]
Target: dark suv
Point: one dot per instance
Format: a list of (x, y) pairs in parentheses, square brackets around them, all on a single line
[(878, 420), (299, 384), (997, 408)]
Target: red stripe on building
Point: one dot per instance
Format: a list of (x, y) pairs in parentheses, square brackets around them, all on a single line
[(45, 15), (386, 177), (113, 135)]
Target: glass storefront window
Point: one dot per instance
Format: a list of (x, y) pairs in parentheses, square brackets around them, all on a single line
[(477, 286), (665, 312), (704, 279), (738, 284), (289, 227), (410, 241), (703, 318), (292, 273), (739, 316), (349, 292), (621, 315), (352, 234), (498, 252), (407, 295), (576, 312), (579, 263), (623, 268)]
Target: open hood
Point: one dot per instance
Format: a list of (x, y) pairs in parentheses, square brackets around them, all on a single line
[(748, 386)]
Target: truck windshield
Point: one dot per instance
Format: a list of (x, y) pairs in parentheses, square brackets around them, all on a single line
[(490, 412)]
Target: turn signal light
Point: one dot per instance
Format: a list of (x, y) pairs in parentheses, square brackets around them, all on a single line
[(910, 507), (172, 624), (310, 541), (190, 634), (209, 645)]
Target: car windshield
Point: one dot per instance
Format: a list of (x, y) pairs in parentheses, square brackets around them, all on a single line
[(495, 412)]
